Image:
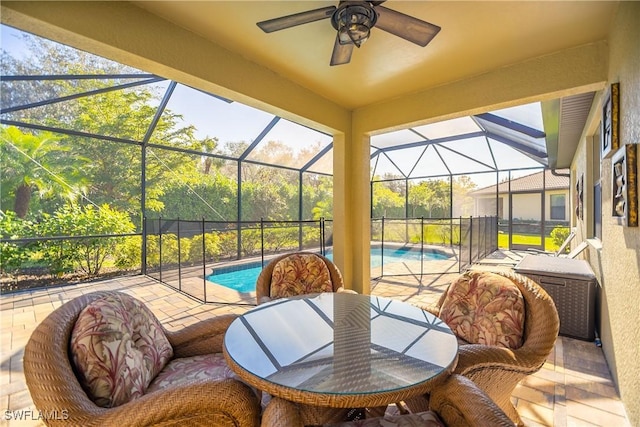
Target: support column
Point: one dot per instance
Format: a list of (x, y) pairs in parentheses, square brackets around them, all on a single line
[(351, 210)]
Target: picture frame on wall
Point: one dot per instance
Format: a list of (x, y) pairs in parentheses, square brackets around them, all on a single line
[(624, 186), (580, 197), (609, 140)]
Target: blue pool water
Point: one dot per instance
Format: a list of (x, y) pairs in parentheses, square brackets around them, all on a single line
[(242, 278)]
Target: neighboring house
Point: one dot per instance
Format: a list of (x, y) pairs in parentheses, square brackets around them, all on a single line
[(527, 196)]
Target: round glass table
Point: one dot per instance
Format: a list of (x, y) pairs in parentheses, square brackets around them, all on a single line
[(340, 350)]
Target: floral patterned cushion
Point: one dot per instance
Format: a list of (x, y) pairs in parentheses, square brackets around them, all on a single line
[(420, 419), (118, 347), (187, 369), (300, 274), (485, 308)]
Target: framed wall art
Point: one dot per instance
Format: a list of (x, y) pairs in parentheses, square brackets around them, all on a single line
[(580, 197), (624, 185), (609, 141)]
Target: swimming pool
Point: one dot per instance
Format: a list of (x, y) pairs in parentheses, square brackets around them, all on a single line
[(242, 278)]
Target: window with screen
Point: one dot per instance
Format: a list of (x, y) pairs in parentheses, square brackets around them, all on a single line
[(558, 203)]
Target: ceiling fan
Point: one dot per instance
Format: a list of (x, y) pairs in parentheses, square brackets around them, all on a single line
[(353, 21)]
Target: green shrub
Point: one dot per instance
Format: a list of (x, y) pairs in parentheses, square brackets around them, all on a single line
[(14, 255), (228, 244), (170, 255), (86, 254), (211, 248), (250, 242), (311, 236), (280, 238), (153, 251), (129, 252), (558, 236)]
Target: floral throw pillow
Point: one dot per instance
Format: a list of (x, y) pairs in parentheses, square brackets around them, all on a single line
[(420, 419), (118, 347), (300, 274), (485, 308)]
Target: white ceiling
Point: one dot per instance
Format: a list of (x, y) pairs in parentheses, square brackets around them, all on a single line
[(476, 37)]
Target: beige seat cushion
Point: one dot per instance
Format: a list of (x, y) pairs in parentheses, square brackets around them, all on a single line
[(485, 308), (187, 369)]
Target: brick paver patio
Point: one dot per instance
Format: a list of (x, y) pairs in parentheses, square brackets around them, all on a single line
[(574, 388)]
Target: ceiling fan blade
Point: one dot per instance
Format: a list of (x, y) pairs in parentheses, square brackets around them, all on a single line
[(341, 53), (409, 28), (289, 21)]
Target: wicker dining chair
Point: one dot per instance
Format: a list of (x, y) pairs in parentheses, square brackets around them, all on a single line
[(296, 274), (497, 369), (193, 387), (457, 402)]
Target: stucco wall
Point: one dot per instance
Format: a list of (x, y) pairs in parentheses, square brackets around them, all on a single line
[(617, 264), (527, 206)]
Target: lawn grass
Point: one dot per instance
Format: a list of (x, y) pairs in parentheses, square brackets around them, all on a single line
[(524, 239)]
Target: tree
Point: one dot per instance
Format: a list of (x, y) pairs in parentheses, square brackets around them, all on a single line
[(113, 172), (208, 146), (116, 177), (212, 197), (38, 162), (385, 199), (42, 57), (463, 203), (317, 193), (419, 197), (438, 204)]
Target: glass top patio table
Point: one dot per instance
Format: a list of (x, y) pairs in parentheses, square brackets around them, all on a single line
[(340, 349)]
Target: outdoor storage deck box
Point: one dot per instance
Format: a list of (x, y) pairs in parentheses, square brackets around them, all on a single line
[(572, 286)]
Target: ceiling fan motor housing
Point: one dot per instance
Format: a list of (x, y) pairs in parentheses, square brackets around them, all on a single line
[(353, 21)]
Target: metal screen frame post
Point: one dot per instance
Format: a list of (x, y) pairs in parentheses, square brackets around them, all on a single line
[(262, 241), (382, 249), (143, 247), (323, 250), (470, 240), (450, 231), (160, 246), (495, 234), (204, 264), (421, 247), (459, 247), (239, 212), (300, 208), (143, 207), (179, 256)]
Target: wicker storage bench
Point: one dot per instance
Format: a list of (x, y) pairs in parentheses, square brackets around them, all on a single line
[(572, 286)]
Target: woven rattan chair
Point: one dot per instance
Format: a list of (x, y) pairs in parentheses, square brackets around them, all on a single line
[(497, 370), (458, 402), (57, 392), (263, 284)]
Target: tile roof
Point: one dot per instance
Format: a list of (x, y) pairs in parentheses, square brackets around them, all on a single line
[(531, 182)]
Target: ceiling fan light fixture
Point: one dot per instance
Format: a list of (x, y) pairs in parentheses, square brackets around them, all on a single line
[(354, 23)]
